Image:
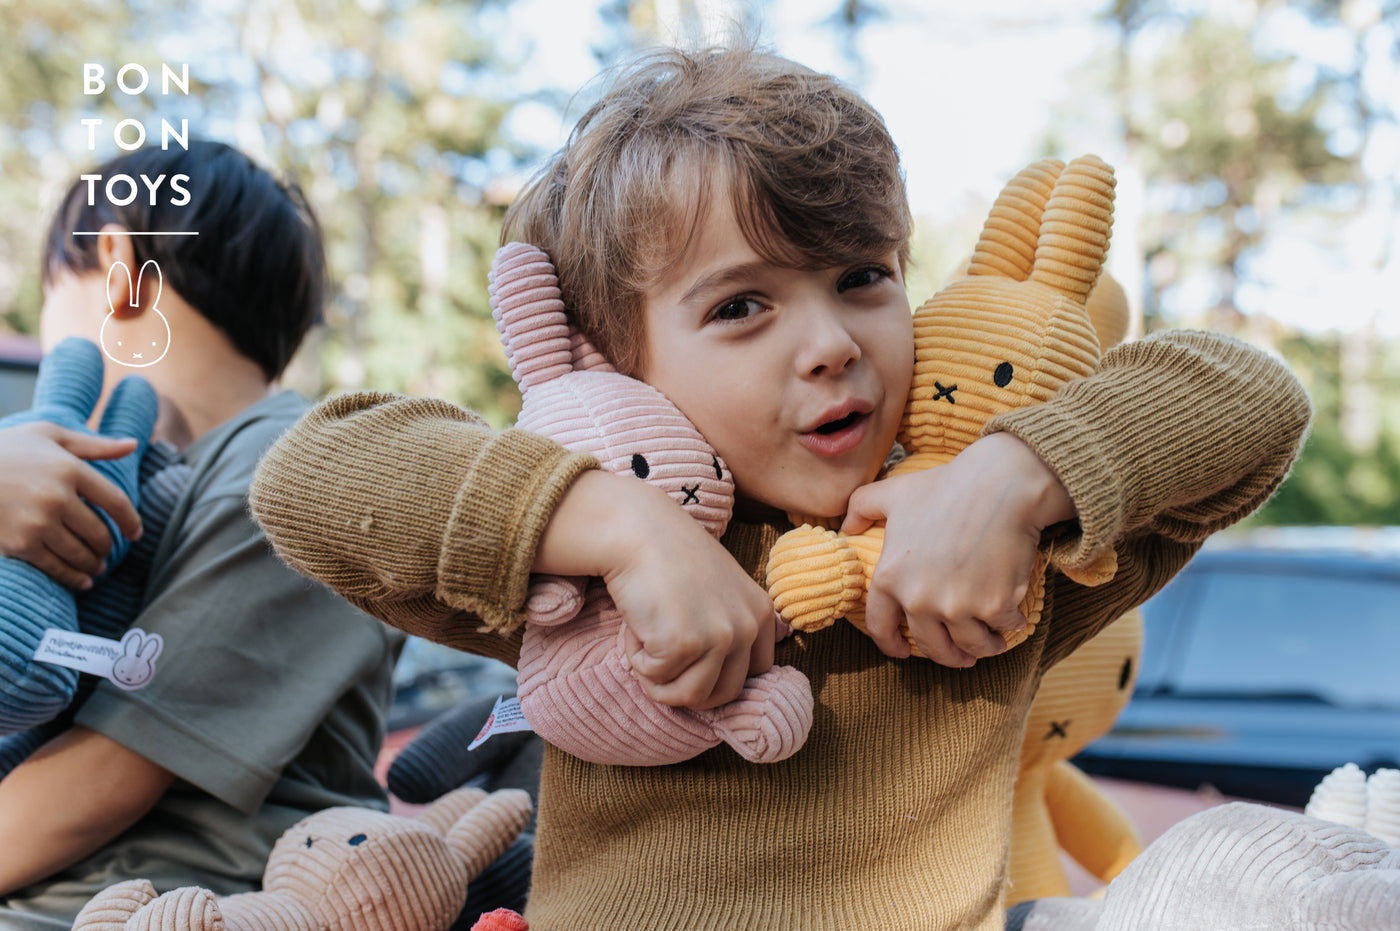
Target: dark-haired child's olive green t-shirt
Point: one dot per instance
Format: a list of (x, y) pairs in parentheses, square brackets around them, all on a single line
[(267, 702)]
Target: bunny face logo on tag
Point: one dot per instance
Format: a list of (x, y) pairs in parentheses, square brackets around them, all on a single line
[(141, 338), (137, 664), (129, 663)]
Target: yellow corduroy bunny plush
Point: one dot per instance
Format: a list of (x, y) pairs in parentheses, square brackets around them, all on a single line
[(1009, 334), (1056, 806)]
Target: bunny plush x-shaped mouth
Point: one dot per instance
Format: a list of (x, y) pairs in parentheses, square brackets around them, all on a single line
[(135, 339)]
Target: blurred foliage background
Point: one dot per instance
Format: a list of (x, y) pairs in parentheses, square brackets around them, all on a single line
[(1250, 136)]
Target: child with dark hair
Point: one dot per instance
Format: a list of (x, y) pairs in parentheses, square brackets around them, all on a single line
[(267, 700), (731, 228)]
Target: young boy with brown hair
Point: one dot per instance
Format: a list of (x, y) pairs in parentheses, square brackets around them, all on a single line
[(732, 228)]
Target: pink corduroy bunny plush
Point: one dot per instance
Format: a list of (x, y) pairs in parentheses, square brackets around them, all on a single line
[(575, 684)]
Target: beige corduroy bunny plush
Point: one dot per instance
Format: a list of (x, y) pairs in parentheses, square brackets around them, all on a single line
[(341, 869), (1010, 334)]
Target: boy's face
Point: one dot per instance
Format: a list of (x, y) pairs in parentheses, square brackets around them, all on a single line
[(797, 378)]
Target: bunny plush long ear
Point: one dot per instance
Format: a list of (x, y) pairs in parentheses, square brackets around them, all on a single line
[(1075, 228), (1050, 224), (586, 357), (1008, 242), (529, 315)]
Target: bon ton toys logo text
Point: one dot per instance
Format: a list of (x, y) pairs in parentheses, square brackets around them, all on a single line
[(135, 333)]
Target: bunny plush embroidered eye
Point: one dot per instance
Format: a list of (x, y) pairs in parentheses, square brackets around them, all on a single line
[(135, 340), (576, 685), (1009, 334)]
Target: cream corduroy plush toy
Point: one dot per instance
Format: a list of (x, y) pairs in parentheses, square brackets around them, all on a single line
[(1010, 334), (341, 869)]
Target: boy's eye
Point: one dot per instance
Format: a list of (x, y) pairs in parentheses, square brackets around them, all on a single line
[(862, 277), (737, 308)]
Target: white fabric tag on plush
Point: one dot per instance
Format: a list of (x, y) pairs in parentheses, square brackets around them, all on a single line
[(129, 663), (506, 716)]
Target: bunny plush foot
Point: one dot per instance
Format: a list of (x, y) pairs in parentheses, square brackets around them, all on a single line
[(815, 577), (110, 909), (187, 908), (553, 600), (770, 719)]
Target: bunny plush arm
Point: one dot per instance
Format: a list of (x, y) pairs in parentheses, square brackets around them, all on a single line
[(1008, 335), (69, 383), (576, 681)]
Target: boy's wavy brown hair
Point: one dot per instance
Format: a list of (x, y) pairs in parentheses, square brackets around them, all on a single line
[(809, 166)]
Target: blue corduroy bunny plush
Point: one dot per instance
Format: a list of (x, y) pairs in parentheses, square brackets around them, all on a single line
[(69, 384)]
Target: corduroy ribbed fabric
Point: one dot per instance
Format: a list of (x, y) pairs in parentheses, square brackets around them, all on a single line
[(1241, 867), (896, 812)]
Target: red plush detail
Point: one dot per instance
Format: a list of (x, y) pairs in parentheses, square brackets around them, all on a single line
[(502, 919)]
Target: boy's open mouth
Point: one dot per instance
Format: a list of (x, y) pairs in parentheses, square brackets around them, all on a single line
[(839, 436), (835, 426)]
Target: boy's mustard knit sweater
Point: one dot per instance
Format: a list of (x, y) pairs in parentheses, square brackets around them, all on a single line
[(895, 815)]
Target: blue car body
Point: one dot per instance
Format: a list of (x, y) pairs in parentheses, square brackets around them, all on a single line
[(1263, 669)]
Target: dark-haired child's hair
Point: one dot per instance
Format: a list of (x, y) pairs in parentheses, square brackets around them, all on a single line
[(257, 269)]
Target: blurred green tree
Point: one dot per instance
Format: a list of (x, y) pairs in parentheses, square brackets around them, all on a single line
[(1250, 128)]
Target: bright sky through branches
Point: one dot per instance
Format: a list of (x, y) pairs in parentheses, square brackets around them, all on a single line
[(970, 93)]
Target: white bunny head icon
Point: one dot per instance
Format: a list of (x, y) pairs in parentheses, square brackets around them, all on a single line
[(141, 336), (137, 664)]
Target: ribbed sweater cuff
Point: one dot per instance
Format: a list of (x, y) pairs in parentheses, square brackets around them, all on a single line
[(500, 511)]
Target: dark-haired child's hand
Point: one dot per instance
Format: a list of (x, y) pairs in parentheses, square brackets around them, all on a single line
[(45, 488), (960, 542), (697, 625)]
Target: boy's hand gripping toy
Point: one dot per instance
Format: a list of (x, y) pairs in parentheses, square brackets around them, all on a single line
[(67, 389), (576, 686), (341, 869), (1008, 335)]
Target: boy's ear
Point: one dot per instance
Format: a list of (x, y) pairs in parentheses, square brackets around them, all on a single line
[(114, 247)]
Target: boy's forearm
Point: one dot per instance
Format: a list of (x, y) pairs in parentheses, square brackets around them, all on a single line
[(68, 800), (1175, 437), (1180, 434), (413, 509)]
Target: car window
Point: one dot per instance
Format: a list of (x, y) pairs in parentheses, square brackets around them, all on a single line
[(1161, 618), (16, 388), (1333, 638)]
